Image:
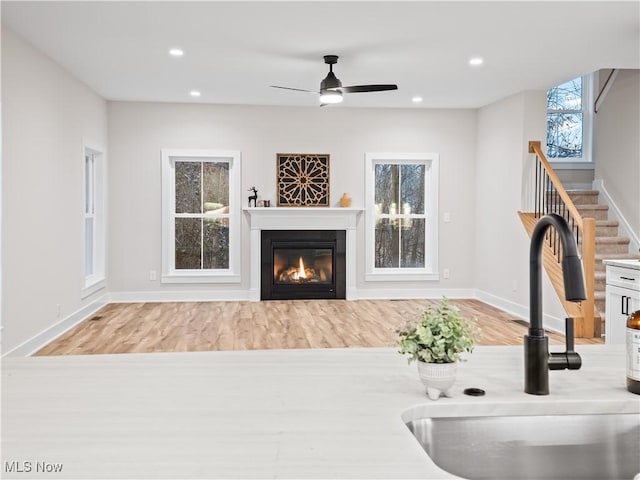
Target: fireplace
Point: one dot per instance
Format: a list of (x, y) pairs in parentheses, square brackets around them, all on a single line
[(303, 264)]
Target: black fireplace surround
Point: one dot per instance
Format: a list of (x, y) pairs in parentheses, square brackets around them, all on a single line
[(303, 264)]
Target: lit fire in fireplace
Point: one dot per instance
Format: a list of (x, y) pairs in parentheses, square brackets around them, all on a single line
[(301, 274)]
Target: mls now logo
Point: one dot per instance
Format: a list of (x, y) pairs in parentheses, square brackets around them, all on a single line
[(27, 467)]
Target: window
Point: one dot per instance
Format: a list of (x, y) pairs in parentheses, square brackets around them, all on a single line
[(94, 232), (569, 121), (201, 216), (401, 197)]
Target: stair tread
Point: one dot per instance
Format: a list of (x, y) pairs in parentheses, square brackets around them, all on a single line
[(579, 191), (607, 223), (612, 239), (592, 206), (617, 256), (552, 207), (586, 205)]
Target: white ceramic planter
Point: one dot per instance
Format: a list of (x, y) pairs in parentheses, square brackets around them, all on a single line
[(438, 378)]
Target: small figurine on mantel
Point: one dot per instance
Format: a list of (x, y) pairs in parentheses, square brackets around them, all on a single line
[(253, 198)]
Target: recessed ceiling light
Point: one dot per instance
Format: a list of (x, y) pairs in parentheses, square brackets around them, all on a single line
[(176, 52), (475, 61), (194, 93), (416, 99)]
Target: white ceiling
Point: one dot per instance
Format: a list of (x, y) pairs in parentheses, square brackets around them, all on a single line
[(235, 50)]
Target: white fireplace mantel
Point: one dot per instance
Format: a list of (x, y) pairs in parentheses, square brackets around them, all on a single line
[(288, 218)]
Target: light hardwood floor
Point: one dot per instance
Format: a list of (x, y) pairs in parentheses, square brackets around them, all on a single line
[(205, 326)]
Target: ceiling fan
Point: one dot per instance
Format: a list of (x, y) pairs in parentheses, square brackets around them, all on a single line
[(331, 88)]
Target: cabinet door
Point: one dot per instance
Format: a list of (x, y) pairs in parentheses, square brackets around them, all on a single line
[(621, 302), (634, 302)]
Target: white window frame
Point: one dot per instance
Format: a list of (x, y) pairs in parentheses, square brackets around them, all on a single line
[(94, 207), (586, 161), (169, 273), (430, 270)]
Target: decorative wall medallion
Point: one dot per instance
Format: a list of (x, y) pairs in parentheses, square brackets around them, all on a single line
[(303, 180)]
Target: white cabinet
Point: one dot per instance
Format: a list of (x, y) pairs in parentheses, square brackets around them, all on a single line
[(623, 297)]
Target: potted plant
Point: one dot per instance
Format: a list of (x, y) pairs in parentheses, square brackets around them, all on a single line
[(436, 343)]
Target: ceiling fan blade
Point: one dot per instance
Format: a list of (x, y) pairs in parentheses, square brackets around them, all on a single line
[(295, 89), (367, 88)]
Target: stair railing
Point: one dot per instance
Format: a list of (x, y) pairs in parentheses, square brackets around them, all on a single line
[(605, 89), (551, 197)]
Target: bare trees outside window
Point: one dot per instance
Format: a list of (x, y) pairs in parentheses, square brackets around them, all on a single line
[(201, 215), (401, 197), (565, 120), (400, 221)]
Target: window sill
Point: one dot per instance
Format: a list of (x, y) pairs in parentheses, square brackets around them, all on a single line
[(92, 286), (401, 277), (572, 165), (195, 278)]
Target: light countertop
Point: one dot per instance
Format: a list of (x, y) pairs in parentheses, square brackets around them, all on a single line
[(630, 263), (322, 413)]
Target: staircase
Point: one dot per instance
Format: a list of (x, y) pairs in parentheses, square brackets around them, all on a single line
[(609, 245), (596, 235)]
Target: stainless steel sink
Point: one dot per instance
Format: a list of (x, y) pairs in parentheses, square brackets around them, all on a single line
[(557, 447)]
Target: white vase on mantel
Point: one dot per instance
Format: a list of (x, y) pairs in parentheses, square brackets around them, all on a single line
[(438, 378)]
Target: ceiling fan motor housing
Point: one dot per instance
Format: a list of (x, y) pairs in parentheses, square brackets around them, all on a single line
[(330, 82)]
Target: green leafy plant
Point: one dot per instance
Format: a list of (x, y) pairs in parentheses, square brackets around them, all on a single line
[(440, 336)]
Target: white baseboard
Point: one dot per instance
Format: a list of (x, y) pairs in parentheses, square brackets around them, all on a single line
[(520, 311), (212, 295), (625, 228), (35, 343)]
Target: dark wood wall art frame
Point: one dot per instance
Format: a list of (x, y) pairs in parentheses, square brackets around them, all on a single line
[(303, 179)]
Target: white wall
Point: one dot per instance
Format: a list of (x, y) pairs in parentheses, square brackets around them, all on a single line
[(46, 115), (501, 243), (617, 145), (138, 131)]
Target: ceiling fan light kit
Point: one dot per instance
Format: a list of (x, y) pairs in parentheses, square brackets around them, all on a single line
[(331, 89), (330, 96)]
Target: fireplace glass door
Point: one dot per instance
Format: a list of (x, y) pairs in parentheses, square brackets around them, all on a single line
[(302, 264)]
